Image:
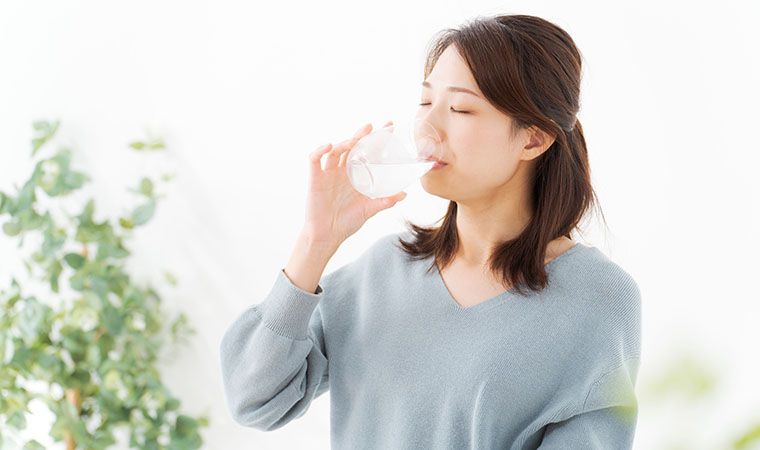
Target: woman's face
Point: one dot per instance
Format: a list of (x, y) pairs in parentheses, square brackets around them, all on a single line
[(480, 153)]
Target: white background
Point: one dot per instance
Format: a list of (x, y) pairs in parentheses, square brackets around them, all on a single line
[(243, 91)]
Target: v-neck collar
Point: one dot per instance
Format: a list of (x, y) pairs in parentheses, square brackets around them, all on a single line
[(498, 298)]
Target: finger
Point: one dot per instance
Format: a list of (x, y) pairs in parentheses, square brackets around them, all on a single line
[(346, 145), (361, 132), (343, 159), (332, 159), (315, 157), (390, 122), (335, 157), (380, 204)]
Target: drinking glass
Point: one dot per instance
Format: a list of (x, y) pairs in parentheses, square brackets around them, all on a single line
[(389, 159)]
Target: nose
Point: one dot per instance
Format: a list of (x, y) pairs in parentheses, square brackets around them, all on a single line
[(430, 136), (430, 116)]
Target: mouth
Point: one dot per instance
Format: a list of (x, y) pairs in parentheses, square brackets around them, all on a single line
[(436, 161), (437, 165)]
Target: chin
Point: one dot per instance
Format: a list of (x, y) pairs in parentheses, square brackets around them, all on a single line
[(435, 186)]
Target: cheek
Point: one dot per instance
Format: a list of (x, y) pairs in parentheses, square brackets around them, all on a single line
[(489, 168), (481, 135), (476, 173), (486, 154), (483, 151)]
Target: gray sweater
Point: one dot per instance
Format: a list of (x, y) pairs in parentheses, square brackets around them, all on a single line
[(409, 368)]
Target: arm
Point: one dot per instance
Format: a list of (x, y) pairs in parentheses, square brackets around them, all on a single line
[(607, 418), (273, 357)]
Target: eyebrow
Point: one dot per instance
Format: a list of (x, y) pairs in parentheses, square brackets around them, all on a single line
[(454, 89)]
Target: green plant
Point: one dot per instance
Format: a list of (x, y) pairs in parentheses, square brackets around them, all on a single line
[(686, 381), (95, 345)]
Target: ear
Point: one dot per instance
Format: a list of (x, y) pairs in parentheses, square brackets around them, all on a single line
[(538, 141)]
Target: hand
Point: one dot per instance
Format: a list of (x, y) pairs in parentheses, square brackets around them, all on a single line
[(334, 208)]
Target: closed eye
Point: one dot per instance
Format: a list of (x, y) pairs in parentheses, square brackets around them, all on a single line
[(456, 111)]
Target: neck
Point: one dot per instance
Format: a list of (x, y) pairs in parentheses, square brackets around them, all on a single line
[(484, 224)]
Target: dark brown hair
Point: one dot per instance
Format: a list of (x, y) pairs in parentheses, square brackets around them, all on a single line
[(530, 69)]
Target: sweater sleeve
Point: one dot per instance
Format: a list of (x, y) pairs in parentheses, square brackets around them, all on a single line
[(607, 418), (273, 357)]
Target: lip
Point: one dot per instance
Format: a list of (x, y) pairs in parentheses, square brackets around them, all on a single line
[(438, 162)]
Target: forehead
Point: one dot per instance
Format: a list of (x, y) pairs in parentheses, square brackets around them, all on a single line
[(451, 69)]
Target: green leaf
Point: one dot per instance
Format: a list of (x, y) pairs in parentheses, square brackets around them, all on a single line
[(172, 404), (170, 278), (146, 187), (180, 328), (113, 320), (106, 250), (54, 270), (31, 320), (186, 424), (112, 380), (105, 345), (79, 431), (126, 223), (750, 438), (685, 376), (25, 197), (75, 342), (11, 228), (157, 144), (87, 212), (168, 176), (29, 219), (74, 260), (102, 439), (81, 376), (4, 203), (144, 212), (150, 144), (55, 176), (54, 240), (17, 420), (185, 434), (49, 363), (33, 445), (45, 131)]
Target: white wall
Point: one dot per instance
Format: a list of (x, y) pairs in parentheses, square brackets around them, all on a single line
[(243, 91)]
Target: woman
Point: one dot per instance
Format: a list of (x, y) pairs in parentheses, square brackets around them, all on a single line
[(512, 336)]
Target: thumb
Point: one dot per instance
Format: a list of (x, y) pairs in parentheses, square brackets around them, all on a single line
[(380, 204), (392, 200)]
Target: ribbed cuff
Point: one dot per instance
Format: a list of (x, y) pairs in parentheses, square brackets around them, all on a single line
[(287, 308)]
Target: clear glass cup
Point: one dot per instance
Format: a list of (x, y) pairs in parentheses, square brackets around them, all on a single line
[(389, 159)]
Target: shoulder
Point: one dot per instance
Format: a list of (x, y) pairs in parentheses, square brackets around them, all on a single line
[(378, 264), (597, 277), (387, 246), (607, 300), (382, 253)]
